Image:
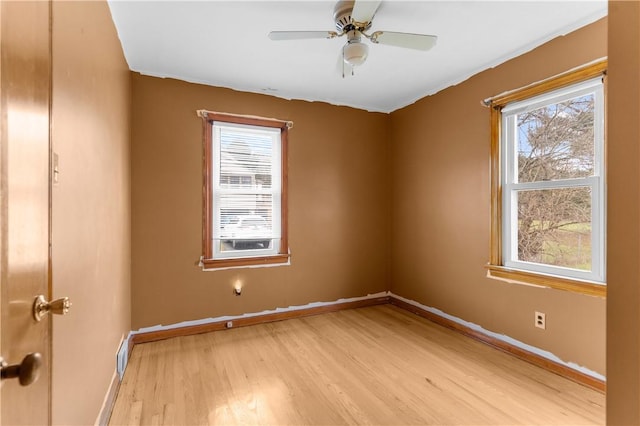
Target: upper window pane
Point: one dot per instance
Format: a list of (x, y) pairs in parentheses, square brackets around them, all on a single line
[(556, 141), (245, 159)]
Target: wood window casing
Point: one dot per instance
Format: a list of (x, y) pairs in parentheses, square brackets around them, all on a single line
[(495, 267), (208, 262)]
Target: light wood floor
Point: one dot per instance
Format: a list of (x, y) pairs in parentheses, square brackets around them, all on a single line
[(374, 365)]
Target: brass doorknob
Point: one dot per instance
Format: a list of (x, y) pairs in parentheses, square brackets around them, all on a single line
[(27, 371), (41, 307)]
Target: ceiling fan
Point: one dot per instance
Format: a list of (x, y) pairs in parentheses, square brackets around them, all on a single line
[(353, 19)]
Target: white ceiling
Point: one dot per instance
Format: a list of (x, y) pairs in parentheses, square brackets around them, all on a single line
[(225, 44)]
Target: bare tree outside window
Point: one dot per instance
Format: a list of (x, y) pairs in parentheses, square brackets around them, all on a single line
[(556, 142)]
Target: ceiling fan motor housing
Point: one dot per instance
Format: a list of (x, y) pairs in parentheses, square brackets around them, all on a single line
[(342, 17), (342, 14)]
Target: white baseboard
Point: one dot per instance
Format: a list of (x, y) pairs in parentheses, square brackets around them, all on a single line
[(255, 314), (109, 400), (503, 338)]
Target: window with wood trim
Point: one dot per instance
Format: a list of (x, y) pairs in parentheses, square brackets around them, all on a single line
[(245, 191), (548, 183)]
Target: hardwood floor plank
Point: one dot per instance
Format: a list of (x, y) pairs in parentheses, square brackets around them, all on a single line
[(372, 365)]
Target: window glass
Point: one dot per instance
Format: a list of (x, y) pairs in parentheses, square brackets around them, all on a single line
[(556, 141), (554, 227)]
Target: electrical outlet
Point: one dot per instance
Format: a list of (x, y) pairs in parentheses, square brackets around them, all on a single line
[(541, 320), (229, 324)]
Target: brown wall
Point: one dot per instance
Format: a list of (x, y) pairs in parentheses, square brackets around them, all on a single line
[(91, 206), (338, 214), (623, 233), (339, 232), (440, 222)]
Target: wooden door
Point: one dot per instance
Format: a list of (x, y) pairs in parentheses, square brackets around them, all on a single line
[(25, 70)]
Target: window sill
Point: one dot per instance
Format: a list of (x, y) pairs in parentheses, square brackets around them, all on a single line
[(550, 281), (240, 262)]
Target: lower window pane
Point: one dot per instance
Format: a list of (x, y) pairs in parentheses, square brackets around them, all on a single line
[(554, 227), (253, 244), (245, 229)]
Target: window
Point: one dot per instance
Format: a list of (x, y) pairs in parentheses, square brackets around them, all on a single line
[(245, 191), (548, 189)]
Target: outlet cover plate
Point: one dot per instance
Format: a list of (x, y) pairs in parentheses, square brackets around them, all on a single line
[(541, 320)]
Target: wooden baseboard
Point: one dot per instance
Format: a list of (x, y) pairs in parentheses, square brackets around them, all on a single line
[(525, 355), (258, 319), (530, 357), (109, 401)]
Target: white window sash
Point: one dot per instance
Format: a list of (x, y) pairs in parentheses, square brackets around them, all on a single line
[(510, 185), (220, 191), (555, 96)]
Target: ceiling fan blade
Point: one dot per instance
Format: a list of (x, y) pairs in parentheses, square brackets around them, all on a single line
[(300, 35), (364, 10), (408, 40)]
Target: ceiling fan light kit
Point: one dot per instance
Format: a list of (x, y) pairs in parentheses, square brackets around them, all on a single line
[(353, 19), (355, 53)]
